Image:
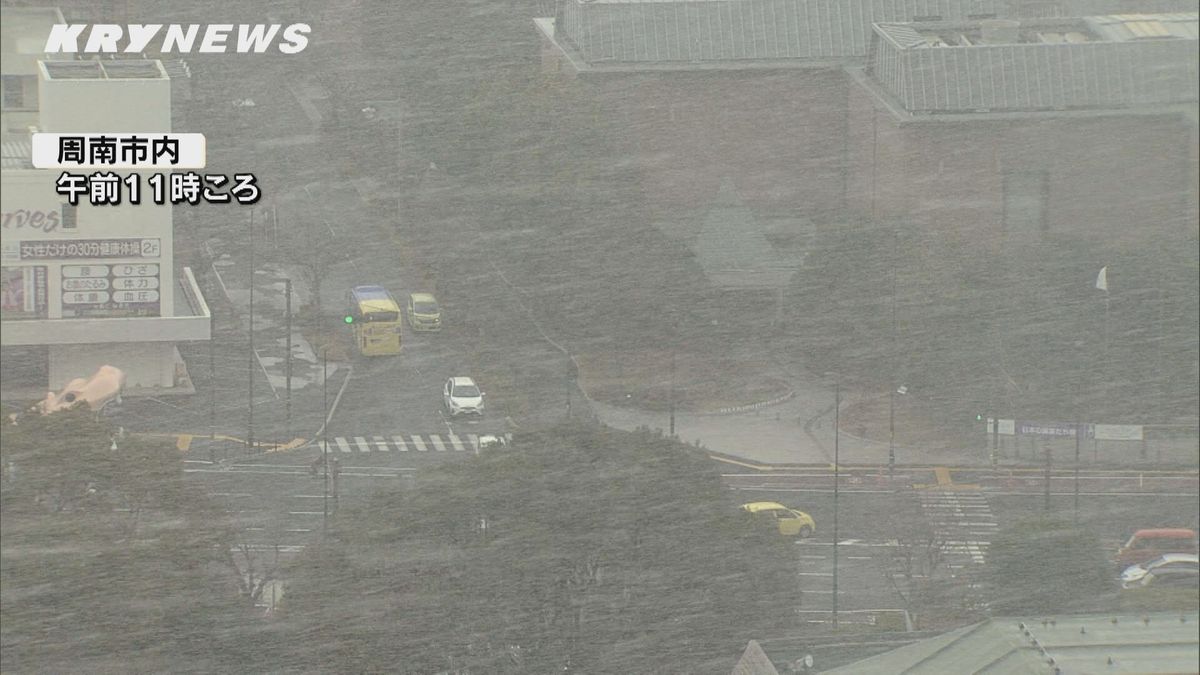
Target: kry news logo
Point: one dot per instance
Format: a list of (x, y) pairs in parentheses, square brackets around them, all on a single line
[(106, 38)]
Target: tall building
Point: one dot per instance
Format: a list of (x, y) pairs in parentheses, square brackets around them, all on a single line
[(971, 118), (84, 285)]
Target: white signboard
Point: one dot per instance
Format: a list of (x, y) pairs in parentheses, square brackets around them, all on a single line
[(85, 297), (115, 289), (135, 283), (135, 296), (119, 151), (1118, 432), (100, 284), (82, 271), (1007, 427), (135, 270)]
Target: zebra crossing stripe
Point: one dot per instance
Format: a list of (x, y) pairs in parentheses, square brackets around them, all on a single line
[(451, 441)]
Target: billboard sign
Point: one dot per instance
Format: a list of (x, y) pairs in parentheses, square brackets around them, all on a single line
[(23, 292)]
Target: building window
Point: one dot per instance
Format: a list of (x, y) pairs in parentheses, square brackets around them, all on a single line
[(1025, 197), (68, 216)]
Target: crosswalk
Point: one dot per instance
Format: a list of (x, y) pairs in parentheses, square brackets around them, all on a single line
[(964, 526), (415, 443), (963, 522)]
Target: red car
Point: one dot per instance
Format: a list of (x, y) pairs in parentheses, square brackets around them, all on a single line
[(1147, 545)]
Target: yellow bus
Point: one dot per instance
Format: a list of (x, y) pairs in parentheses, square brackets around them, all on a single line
[(374, 318)]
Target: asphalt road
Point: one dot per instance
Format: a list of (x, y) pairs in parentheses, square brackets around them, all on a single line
[(867, 543), (876, 523)]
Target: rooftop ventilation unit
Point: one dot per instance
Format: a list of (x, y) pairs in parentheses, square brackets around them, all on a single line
[(1000, 31)]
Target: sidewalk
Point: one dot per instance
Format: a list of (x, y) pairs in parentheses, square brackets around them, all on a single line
[(270, 317), (797, 431), (800, 431)]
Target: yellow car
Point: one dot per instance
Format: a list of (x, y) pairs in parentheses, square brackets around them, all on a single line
[(791, 523), (423, 312)]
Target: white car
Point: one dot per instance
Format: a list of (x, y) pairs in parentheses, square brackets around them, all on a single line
[(1180, 567), (493, 442), (462, 397)]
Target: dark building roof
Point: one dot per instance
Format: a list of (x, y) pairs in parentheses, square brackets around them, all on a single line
[(704, 32)]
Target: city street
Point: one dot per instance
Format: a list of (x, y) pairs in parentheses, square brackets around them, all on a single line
[(468, 336), (957, 520)]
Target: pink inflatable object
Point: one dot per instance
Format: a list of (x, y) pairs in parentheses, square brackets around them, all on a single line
[(96, 391)]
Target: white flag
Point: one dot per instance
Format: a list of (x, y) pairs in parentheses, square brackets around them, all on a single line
[(1102, 279)]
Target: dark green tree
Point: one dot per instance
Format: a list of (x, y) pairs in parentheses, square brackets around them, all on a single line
[(591, 549), (990, 325), (112, 561), (1047, 566)]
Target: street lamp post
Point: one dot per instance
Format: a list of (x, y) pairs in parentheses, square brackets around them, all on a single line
[(212, 396), (902, 390), (287, 295), (837, 405), (892, 391), (1079, 431), (891, 435), (1047, 487), (253, 355), (325, 436), (672, 402)]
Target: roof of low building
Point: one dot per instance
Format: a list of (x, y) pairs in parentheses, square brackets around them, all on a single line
[(1148, 644), (105, 69), (16, 153), (23, 30), (1050, 65), (754, 661)]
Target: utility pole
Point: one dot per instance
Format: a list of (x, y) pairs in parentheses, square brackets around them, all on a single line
[(287, 294), (1107, 370), (253, 354), (212, 396), (1079, 432), (1047, 450), (325, 436), (995, 437), (672, 401), (895, 355), (837, 405), (1102, 284), (892, 432)]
